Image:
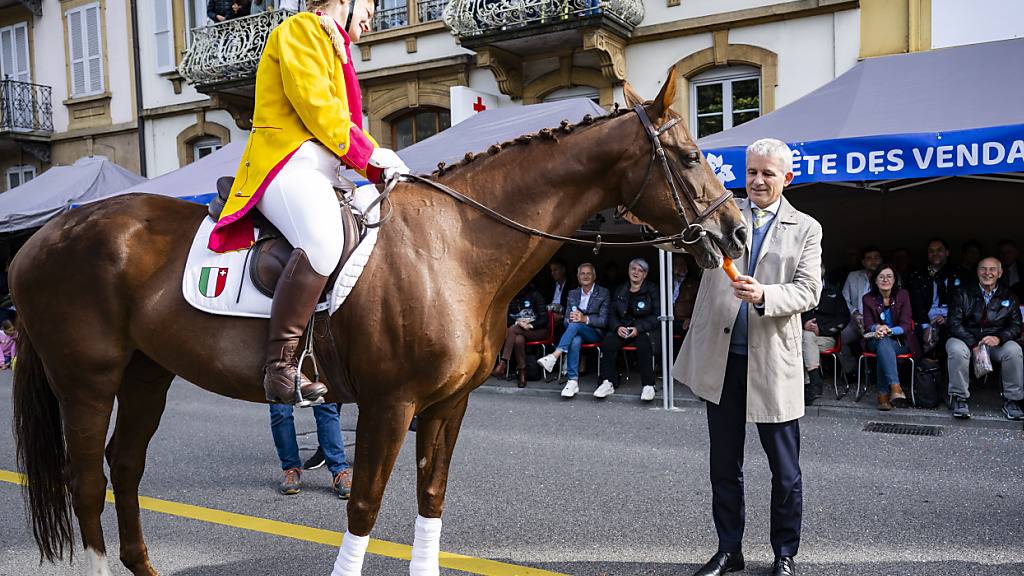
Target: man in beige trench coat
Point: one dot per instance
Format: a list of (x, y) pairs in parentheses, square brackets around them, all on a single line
[(743, 356)]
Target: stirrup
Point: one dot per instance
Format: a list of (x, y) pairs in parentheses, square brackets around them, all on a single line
[(307, 352)]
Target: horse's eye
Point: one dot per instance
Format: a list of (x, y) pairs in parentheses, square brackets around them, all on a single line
[(693, 157)]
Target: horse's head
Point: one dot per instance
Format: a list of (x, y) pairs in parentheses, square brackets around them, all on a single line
[(671, 186)]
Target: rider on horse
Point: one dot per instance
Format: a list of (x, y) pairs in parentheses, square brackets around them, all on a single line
[(307, 122)]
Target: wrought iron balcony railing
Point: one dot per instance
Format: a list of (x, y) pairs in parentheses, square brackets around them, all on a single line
[(468, 18), (229, 50), (25, 107), (390, 18), (430, 10)]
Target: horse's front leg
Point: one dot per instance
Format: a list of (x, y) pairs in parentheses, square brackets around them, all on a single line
[(437, 430), (379, 436)]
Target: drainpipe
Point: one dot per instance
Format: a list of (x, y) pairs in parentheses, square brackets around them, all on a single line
[(139, 104)]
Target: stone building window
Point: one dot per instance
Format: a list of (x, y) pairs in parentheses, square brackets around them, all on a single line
[(724, 97), (418, 125)]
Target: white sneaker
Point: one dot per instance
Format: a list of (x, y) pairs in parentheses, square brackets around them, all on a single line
[(648, 394), (571, 388), (547, 362), (604, 390)]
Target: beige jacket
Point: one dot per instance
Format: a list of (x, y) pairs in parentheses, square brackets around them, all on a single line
[(789, 266)]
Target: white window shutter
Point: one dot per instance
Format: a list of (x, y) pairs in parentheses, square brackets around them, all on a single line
[(76, 45), (7, 54), (22, 70), (163, 30), (93, 53)]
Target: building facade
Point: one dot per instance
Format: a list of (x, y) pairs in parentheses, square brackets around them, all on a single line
[(72, 86)]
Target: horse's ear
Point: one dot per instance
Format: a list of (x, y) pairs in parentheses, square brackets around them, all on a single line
[(632, 98), (666, 97)]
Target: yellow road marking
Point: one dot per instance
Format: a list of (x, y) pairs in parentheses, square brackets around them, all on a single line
[(468, 564)]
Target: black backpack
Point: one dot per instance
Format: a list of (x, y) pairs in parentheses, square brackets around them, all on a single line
[(930, 385)]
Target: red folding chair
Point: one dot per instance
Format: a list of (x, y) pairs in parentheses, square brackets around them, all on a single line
[(632, 348), (549, 341), (834, 353), (868, 355)]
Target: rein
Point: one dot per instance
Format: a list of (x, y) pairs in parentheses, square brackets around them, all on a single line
[(691, 234)]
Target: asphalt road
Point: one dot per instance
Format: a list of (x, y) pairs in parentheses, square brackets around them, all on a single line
[(580, 487)]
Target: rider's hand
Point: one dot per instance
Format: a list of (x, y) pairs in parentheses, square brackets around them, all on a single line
[(389, 163)]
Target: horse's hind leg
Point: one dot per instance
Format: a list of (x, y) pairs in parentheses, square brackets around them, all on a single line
[(140, 404), (379, 436), (437, 430)]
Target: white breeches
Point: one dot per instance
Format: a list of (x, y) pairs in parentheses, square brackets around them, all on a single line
[(302, 204)]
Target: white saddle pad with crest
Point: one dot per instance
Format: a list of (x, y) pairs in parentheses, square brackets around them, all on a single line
[(220, 283)]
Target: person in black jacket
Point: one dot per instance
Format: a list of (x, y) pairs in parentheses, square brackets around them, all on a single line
[(931, 290), (218, 10), (986, 313), (635, 309), (822, 326), (527, 322)]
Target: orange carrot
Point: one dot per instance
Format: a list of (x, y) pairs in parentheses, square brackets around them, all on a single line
[(730, 268)]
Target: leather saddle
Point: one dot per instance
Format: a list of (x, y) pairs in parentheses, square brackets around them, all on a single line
[(269, 255)]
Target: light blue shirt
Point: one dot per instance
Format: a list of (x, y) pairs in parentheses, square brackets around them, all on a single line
[(738, 341)]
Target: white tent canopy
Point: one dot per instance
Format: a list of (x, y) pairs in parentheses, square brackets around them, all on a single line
[(33, 203)]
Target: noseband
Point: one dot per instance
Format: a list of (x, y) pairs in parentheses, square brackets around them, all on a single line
[(693, 231)]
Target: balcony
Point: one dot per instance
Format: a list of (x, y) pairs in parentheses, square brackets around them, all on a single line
[(399, 16), (524, 27), (223, 57), (26, 112), (33, 6)]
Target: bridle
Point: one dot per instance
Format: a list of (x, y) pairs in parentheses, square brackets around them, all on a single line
[(692, 233)]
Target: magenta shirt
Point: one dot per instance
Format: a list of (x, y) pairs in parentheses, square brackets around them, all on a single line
[(7, 346)]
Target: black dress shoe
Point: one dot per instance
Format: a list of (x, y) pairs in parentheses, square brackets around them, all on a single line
[(722, 563), (784, 566)]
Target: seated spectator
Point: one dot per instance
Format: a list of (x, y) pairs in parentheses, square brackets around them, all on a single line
[(970, 255), (527, 322), (1013, 268), (822, 325), (857, 285), (985, 313), (8, 344), (239, 9), (633, 315), (218, 10), (585, 323), (560, 290), (902, 262), (932, 288), (328, 434), (888, 330), (684, 293)]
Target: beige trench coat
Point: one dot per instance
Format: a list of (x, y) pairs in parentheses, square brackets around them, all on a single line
[(789, 266)]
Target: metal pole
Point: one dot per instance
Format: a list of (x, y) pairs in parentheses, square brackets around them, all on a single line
[(140, 104), (667, 382)]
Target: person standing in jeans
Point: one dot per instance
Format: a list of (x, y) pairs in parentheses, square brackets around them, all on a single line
[(328, 433)]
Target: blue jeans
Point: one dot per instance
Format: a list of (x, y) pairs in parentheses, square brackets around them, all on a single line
[(328, 433), (575, 335), (886, 373)]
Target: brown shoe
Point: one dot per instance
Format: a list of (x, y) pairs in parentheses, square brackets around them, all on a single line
[(501, 370), (294, 300), (342, 483), (883, 402), (521, 383), (896, 395), (290, 485)]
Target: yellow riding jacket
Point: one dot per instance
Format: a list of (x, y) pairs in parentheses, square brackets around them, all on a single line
[(306, 88)]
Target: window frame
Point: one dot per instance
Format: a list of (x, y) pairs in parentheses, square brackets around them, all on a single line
[(725, 76), (168, 31), (205, 141), (412, 113), (83, 11), (20, 170), (13, 28)]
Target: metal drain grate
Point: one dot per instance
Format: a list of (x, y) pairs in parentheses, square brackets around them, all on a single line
[(909, 429)]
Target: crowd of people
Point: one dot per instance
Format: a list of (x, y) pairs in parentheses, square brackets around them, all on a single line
[(222, 10), (950, 314), (597, 312)]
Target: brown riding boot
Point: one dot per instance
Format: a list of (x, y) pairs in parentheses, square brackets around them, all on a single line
[(883, 402), (501, 370), (294, 300)]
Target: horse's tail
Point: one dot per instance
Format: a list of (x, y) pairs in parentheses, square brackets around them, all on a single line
[(42, 455)]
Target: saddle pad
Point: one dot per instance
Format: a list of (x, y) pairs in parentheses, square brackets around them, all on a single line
[(220, 283)]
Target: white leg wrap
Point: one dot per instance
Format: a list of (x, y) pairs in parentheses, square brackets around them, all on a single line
[(426, 547), (350, 556), (96, 563)]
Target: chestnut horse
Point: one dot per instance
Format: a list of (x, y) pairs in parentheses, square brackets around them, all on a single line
[(98, 291)]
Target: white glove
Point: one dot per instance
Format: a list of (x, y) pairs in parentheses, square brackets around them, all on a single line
[(388, 162)]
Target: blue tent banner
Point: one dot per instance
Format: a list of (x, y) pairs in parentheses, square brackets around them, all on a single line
[(890, 156)]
